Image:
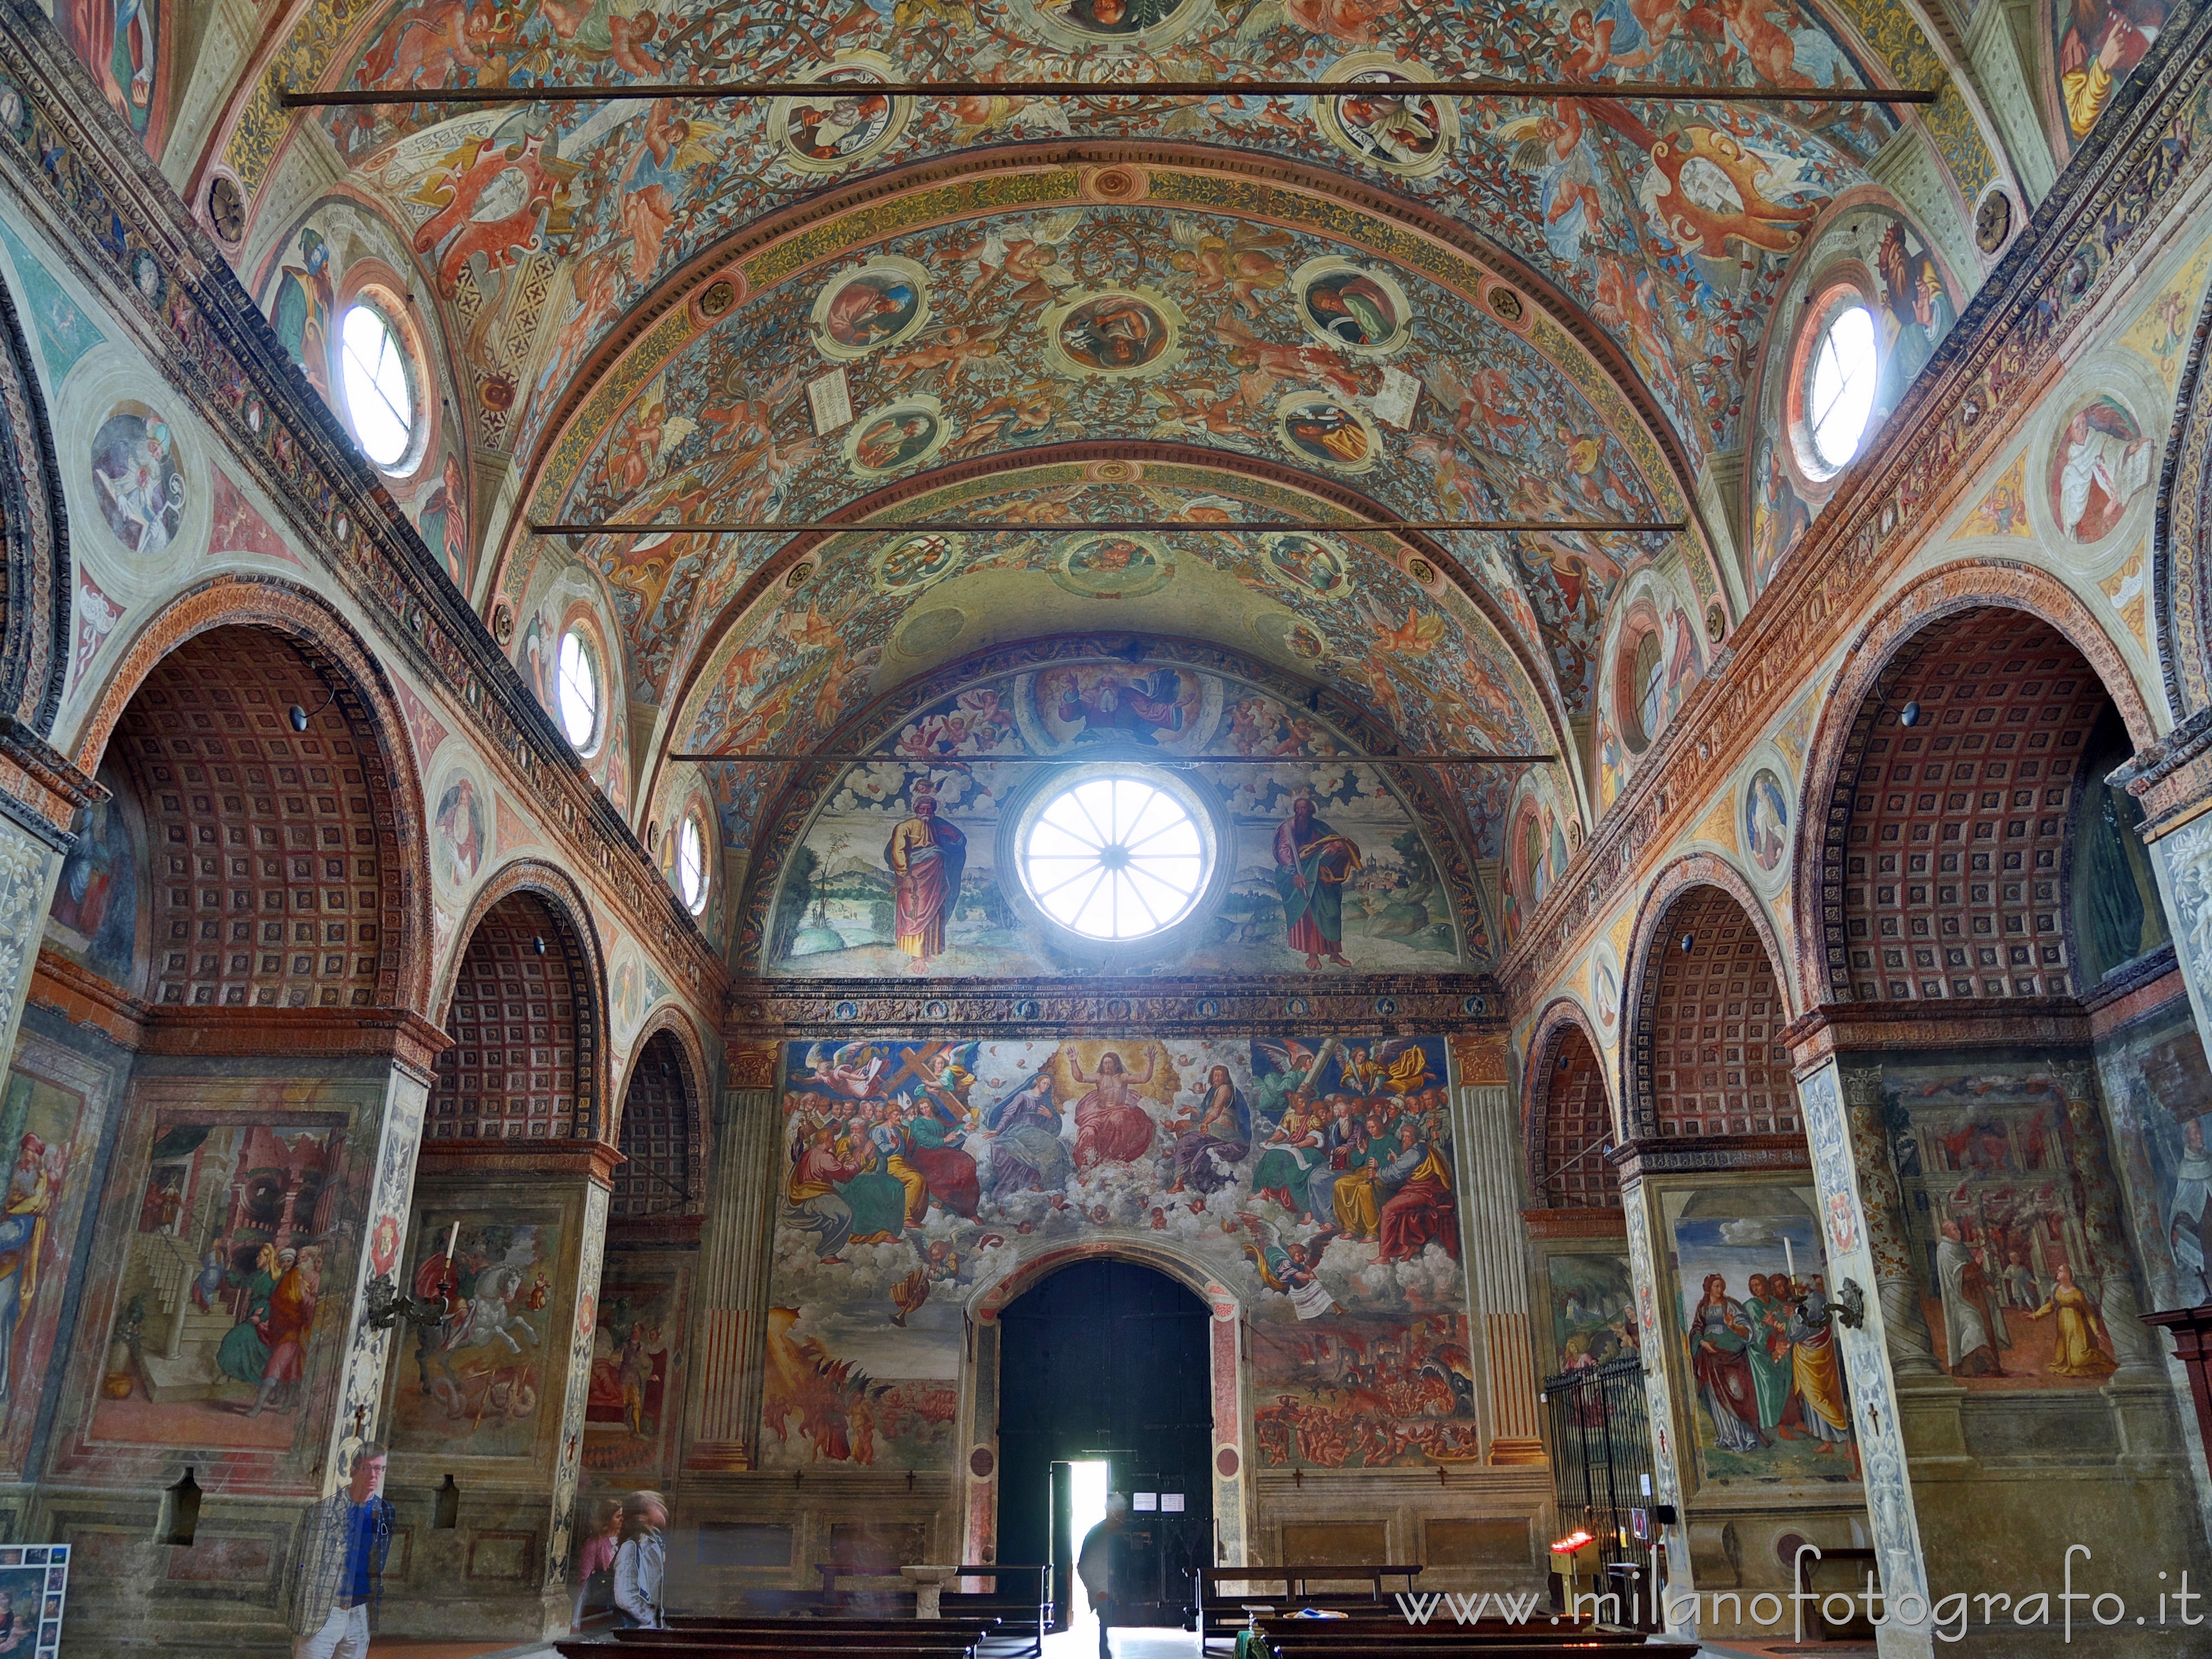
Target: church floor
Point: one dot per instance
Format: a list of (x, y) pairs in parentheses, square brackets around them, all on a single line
[(1082, 1644)]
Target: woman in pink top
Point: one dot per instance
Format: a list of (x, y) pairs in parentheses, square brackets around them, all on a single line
[(596, 1601)]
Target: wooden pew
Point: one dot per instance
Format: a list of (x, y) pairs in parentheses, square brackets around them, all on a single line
[(817, 1636), (1523, 1642), (745, 1644), (1020, 1599), (1221, 1616)]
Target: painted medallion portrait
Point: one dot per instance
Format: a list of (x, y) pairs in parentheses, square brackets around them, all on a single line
[(1112, 567), (828, 135), (881, 304), (1124, 333), (1317, 429), (1308, 564), (1766, 820), (1294, 635), (458, 823), (1387, 121), (2100, 464), (136, 477), (1351, 308), (1110, 25), (909, 566), (896, 436)]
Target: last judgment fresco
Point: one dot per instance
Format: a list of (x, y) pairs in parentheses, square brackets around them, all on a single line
[(1315, 1179)]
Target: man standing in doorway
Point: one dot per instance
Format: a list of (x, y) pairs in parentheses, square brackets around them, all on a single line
[(1102, 1563), (343, 1541)]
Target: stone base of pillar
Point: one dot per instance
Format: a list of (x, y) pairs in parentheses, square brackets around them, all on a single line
[(1930, 1420), (2142, 1412), (1507, 1449), (719, 1457)]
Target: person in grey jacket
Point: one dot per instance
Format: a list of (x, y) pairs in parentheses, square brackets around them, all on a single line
[(641, 1563)]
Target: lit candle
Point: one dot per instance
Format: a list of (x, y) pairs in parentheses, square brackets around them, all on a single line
[(1789, 1256), (452, 1237)]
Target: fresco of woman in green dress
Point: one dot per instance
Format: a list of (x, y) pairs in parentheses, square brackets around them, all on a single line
[(1351, 308)]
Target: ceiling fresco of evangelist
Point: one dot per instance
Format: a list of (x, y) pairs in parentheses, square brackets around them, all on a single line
[(1670, 224)]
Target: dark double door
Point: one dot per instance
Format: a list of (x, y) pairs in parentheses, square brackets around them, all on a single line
[(1108, 1359)]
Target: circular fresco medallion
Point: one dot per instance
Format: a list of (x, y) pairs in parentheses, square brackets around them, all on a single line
[(2100, 464), (1315, 427), (1307, 564), (909, 565), (884, 302), (1109, 25), (1351, 307), (1293, 635), (1406, 132), (1122, 334), (932, 631), (895, 436), (136, 478), (828, 135), (1766, 819), (1112, 566)]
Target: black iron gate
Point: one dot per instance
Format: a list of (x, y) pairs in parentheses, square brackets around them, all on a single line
[(1601, 1457)]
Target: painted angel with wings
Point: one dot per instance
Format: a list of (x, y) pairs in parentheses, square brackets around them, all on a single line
[(1031, 258), (850, 1070)]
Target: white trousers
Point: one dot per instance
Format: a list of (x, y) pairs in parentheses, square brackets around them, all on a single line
[(344, 1635)]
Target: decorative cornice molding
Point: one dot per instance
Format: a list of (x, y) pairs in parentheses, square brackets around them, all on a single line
[(1840, 1028), (98, 197), (490, 1160), (1708, 1154), (1982, 383), (1214, 1006)]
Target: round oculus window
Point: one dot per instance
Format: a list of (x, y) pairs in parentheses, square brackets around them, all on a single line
[(380, 395), (1839, 387), (576, 692), (691, 866), (1116, 856)]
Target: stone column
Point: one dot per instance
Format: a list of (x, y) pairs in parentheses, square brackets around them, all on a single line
[(415, 1045), (1865, 1242), (1493, 1245), (733, 1270), (1641, 1206), (39, 792)]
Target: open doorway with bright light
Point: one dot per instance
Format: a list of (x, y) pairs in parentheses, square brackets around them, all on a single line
[(1088, 1479)]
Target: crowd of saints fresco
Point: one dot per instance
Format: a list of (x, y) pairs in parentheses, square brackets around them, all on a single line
[(901, 870), (1758, 1337), (1671, 224), (1314, 1178), (1028, 330)]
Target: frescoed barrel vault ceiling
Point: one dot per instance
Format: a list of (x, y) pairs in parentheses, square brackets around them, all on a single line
[(1011, 312)]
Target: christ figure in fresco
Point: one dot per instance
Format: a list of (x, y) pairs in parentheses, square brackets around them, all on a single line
[(1312, 864), (926, 856)]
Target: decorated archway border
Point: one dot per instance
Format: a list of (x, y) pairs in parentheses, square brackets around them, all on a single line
[(1021, 179), (1231, 1451), (790, 809), (2181, 537), (1896, 634), (342, 660), (1561, 1016), (1265, 484), (572, 920), (1677, 881)]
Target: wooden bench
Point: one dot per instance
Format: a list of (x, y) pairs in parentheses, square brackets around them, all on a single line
[(1522, 1643), (816, 1635), (1221, 1616), (1022, 1608), (746, 1644)]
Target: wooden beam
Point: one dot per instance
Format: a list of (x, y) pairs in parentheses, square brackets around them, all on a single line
[(1641, 91), (1147, 527), (1148, 760)]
